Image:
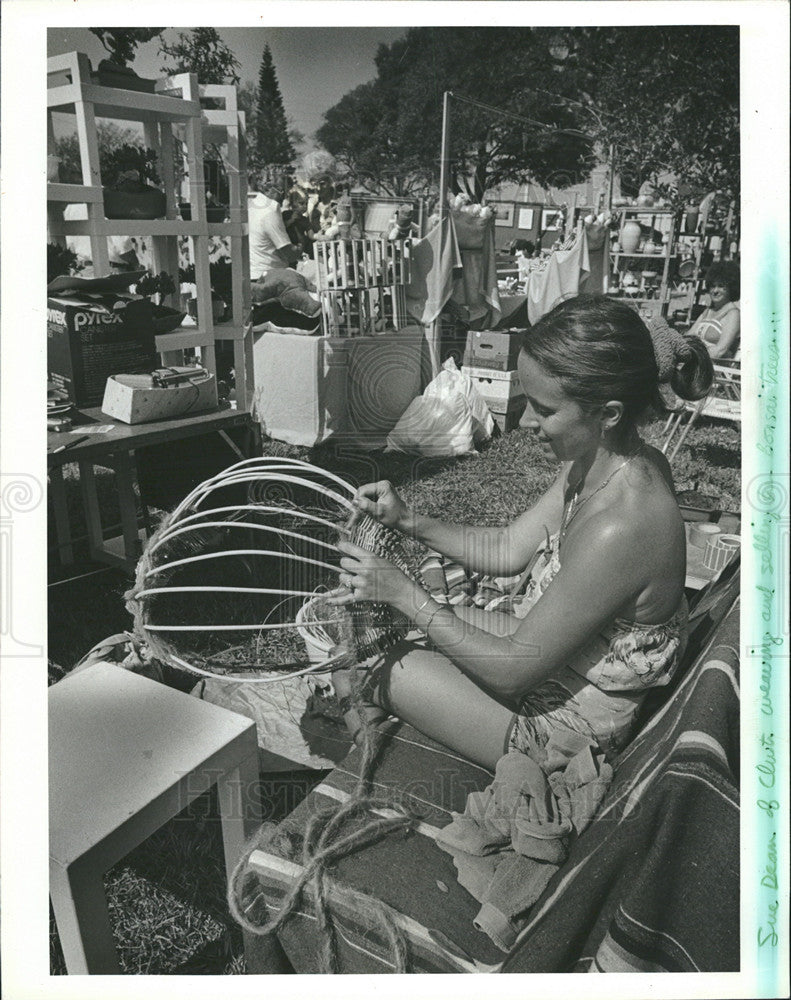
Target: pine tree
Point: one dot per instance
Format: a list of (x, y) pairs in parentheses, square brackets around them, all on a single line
[(273, 149)]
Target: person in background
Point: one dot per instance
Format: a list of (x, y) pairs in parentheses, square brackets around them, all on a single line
[(270, 245), (719, 326), (321, 205), (524, 250), (297, 224)]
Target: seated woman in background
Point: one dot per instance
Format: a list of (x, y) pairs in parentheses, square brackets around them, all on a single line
[(719, 326), (604, 617)]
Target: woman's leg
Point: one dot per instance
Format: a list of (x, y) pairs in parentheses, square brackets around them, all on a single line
[(425, 689)]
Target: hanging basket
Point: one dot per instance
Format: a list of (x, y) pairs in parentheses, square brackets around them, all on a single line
[(147, 204), (166, 319)]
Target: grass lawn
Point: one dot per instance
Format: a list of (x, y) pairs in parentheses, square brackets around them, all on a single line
[(167, 899)]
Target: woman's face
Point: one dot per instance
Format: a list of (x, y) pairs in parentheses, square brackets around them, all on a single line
[(718, 294), (563, 428)]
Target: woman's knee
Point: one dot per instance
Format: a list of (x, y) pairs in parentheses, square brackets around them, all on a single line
[(401, 672)]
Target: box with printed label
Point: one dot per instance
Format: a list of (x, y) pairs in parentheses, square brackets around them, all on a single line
[(90, 339), (506, 414), (507, 421), (489, 349), (493, 384)]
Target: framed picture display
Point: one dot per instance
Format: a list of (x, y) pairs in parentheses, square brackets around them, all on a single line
[(503, 215), (525, 218), (551, 220)]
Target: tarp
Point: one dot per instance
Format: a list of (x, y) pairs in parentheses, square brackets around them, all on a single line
[(436, 264)]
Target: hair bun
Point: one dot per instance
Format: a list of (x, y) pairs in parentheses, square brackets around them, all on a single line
[(670, 346), (681, 361), (693, 374)]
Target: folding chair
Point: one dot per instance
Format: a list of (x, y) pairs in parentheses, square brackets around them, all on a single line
[(722, 403)]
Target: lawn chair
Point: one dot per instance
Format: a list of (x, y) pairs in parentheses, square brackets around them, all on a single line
[(724, 402)]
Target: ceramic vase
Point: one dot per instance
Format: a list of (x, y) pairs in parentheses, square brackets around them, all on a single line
[(630, 236)]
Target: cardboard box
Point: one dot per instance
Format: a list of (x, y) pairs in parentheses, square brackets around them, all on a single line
[(91, 338), (506, 414), (133, 403), (495, 385), (493, 349), (352, 389)]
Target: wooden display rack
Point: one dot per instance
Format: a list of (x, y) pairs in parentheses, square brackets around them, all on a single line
[(173, 111), (362, 285), (653, 294), (697, 246)]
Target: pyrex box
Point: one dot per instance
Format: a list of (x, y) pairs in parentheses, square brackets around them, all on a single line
[(89, 339), (487, 349)]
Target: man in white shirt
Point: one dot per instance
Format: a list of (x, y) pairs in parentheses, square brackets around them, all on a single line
[(270, 246)]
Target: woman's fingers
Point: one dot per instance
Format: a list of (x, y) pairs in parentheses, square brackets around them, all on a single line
[(344, 545), (368, 497), (341, 599), (371, 491)]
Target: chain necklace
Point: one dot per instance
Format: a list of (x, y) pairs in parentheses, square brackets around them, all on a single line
[(573, 508)]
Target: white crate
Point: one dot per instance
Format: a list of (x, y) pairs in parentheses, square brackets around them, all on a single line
[(495, 385)]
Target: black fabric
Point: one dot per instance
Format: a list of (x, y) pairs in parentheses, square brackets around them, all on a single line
[(286, 286), (288, 319)]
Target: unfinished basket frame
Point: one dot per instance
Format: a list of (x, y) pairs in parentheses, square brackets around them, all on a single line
[(195, 513)]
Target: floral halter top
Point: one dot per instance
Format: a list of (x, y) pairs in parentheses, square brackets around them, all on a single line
[(599, 691)]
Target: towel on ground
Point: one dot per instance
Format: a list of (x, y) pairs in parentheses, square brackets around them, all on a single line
[(513, 836)]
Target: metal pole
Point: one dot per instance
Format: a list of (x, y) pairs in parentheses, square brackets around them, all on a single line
[(611, 180), (434, 339), (444, 155)]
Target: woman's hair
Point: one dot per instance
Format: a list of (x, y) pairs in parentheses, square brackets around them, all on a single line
[(726, 272), (297, 196), (525, 245), (599, 349)]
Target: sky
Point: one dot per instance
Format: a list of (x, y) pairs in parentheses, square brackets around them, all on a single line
[(315, 66)]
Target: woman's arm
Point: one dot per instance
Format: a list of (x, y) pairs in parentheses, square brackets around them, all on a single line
[(599, 575), (694, 330), (499, 551), (730, 326)]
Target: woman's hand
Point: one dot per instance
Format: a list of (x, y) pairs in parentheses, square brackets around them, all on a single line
[(368, 577), (381, 502)]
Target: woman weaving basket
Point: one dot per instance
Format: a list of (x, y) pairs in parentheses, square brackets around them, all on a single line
[(604, 615), (544, 700)]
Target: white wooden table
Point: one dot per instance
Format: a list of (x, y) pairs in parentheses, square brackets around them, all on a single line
[(126, 754), (115, 450)]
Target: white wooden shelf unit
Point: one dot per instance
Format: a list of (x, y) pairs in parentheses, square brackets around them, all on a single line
[(173, 114)]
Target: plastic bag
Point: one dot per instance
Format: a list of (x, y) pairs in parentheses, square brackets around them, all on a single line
[(482, 420), (446, 420)]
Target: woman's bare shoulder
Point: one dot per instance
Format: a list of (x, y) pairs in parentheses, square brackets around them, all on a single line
[(660, 463), (641, 510)]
